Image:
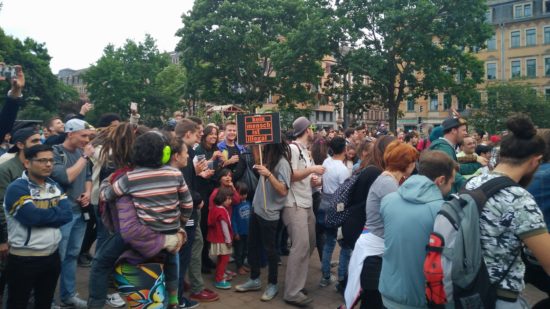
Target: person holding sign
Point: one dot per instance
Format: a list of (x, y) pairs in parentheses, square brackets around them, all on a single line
[(298, 214), (267, 206)]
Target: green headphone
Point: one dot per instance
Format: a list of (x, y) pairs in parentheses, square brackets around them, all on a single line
[(166, 151)]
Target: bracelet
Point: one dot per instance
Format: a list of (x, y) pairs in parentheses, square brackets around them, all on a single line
[(85, 156), (270, 174)]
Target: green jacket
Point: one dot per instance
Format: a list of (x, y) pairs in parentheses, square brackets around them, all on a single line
[(442, 144), (9, 171)]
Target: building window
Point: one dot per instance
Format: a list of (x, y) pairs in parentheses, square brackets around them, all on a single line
[(516, 68), (547, 66), (433, 103), (447, 99), (531, 66), (515, 38), (410, 105), (547, 35), (492, 43), (523, 10), (317, 116), (324, 116), (331, 114), (491, 71), (460, 106), (489, 16), (530, 37), (546, 7), (547, 93)]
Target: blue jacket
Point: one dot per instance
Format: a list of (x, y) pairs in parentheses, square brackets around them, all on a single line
[(408, 216), (34, 214), (240, 218), (540, 189), (223, 146)]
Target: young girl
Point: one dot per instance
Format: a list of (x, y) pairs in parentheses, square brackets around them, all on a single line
[(220, 234)]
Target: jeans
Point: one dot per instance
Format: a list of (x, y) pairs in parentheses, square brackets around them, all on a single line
[(328, 249), (171, 272), (262, 232), (32, 273), (185, 259), (343, 261), (102, 233), (72, 235), (240, 250), (102, 268)]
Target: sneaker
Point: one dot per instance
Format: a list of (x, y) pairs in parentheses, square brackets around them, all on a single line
[(270, 292), (301, 300), (74, 302), (341, 287), (84, 261), (250, 285), (222, 285), (227, 277), (114, 300), (204, 296), (326, 281), (230, 273), (188, 304)]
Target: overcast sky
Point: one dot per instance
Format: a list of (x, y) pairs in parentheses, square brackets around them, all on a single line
[(77, 31)]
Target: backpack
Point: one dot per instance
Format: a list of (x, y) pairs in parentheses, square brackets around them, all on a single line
[(335, 218), (454, 268)]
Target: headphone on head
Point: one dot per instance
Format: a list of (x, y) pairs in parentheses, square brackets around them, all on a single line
[(166, 150)]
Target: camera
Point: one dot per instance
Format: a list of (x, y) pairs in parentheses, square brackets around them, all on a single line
[(7, 71)]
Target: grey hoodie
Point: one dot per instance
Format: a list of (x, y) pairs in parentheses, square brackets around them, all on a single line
[(408, 216)]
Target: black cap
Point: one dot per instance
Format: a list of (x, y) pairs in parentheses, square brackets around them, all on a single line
[(20, 136), (451, 123)]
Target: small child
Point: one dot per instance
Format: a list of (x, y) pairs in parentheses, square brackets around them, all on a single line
[(220, 234), (160, 195), (239, 221)]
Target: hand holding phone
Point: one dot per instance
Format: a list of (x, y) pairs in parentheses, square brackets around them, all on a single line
[(133, 107)]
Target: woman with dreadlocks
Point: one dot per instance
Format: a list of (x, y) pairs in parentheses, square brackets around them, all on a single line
[(267, 206)]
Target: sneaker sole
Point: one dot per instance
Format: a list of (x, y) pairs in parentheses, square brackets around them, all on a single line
[(303, 303), (247, 290), (267, 299), (202, 300)]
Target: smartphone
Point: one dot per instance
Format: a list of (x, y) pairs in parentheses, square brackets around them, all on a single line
[(133, 106), (210, 165), (7, 71)]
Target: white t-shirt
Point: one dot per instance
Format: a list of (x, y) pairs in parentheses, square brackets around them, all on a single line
[(335, 174)]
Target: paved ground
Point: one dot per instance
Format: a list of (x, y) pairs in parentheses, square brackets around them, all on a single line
[(323, 297)]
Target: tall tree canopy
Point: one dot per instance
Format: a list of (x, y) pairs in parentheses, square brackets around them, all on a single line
[(241, 51), (504, 99), (44, 93), (396, 49), (131, 74)]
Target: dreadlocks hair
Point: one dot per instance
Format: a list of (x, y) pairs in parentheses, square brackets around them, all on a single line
[(117, 143)]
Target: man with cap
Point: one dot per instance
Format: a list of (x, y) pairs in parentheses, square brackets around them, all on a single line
[(9, 171), (454, 131), (298, 214), (72, 173), (56, 127)]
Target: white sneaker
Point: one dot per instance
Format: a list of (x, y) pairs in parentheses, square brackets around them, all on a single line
[(74, 302), (114, 300)]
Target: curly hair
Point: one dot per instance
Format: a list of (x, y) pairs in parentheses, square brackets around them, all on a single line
[(148, 150)]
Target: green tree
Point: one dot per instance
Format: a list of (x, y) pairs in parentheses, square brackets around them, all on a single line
[(504, 99), (43, 91), (396, 49), (240, 52), (131, 74)]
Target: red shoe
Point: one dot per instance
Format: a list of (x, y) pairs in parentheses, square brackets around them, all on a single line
[(204, 296)]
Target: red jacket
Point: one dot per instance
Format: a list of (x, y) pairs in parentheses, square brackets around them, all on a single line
[(236, 200), (216, 215)]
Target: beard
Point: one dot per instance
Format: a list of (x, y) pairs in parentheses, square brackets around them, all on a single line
[(526, 179)]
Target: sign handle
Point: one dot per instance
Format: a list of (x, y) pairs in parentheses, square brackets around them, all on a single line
[(263, 182)]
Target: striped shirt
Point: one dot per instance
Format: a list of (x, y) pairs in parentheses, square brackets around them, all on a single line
[(161, 196)]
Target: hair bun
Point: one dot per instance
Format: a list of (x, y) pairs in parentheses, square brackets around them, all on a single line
[(521, 126)]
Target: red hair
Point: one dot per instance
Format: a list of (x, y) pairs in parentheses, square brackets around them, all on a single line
[(398, 156)]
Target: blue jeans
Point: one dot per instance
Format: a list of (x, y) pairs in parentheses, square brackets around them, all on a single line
[(72, 234), (328, 249), (171, 271), (185, 258), (102, 268), (343, 261), (102, 233)]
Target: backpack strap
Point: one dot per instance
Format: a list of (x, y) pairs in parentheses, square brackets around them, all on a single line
[(490, 188)]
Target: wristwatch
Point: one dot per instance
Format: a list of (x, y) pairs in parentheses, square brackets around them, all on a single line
[(85, 156)]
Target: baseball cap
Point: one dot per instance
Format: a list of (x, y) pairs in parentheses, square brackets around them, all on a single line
[(451, 123), (74, 125), (20, 136), (300, 125)]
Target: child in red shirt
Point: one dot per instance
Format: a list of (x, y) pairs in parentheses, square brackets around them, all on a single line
[(220, 234)]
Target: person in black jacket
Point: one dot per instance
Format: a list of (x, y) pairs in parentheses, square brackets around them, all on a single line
[(7, 119)]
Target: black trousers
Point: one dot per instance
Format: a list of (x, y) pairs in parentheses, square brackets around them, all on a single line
[(28, 273), (263, 232), (240, 250)]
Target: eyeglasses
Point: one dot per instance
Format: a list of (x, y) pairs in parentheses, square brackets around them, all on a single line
[(43, 160)]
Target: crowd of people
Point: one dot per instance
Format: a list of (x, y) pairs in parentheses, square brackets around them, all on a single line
[(166, 205)]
